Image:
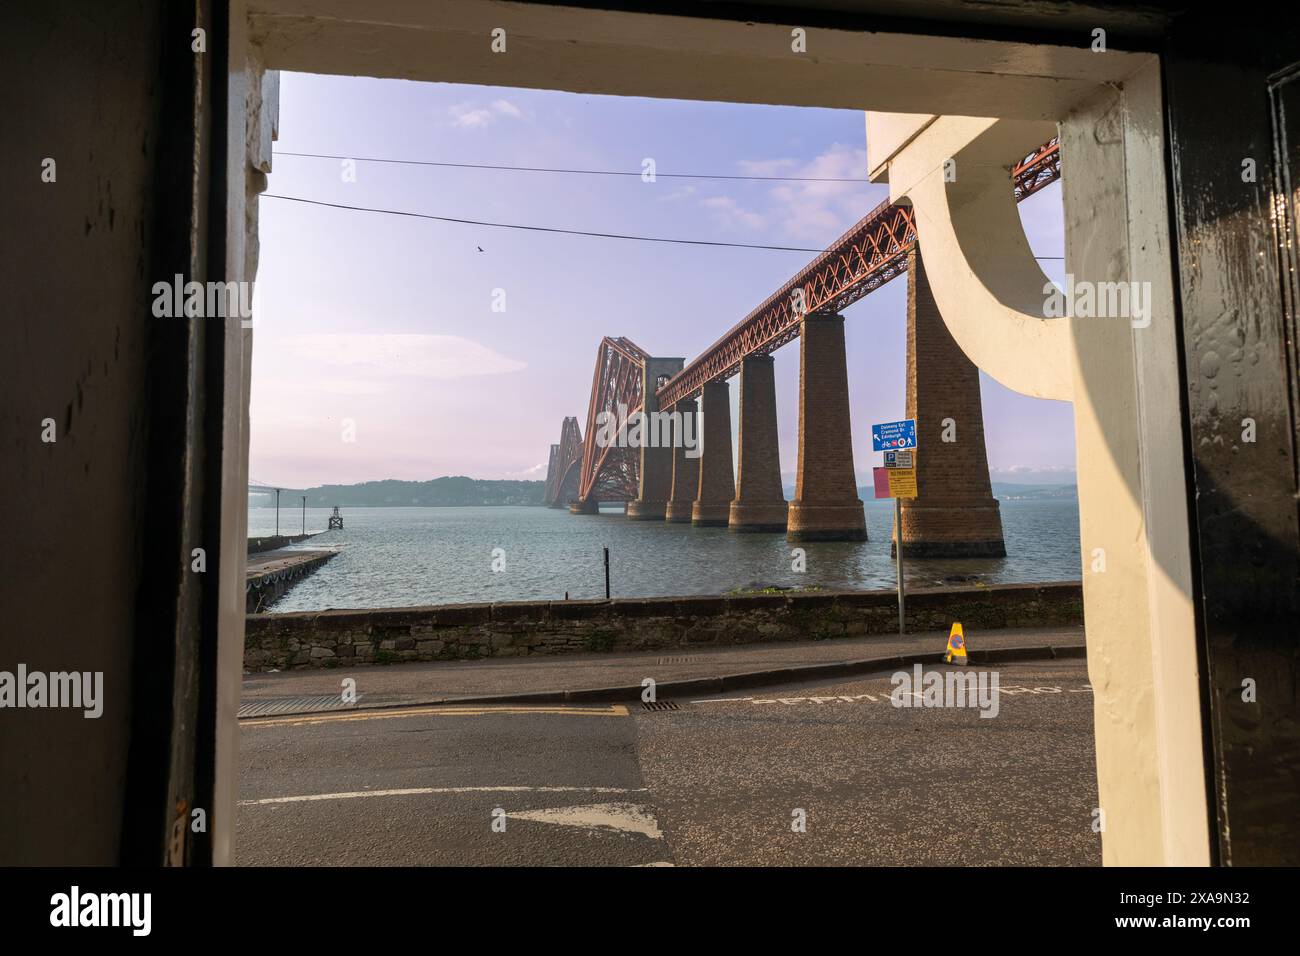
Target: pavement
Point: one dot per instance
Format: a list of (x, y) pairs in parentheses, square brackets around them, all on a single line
[(604, 677), (811, 773)]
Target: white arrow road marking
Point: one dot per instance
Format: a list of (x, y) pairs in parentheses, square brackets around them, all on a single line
[(627, 817)]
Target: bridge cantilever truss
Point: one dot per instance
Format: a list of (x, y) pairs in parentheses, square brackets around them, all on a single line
[(871, 253), (610, 472), (562, 471)]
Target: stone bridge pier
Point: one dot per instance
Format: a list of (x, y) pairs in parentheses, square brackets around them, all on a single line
[(717, 488), (657, 440), (955, 514), (686, 468), (826, 506), (760, 503)]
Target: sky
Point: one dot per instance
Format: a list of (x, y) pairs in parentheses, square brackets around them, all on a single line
[(377, 350)]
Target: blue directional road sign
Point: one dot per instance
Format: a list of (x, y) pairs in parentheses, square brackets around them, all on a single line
[(889, 436)]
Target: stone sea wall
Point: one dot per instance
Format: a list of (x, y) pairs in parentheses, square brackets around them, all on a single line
[(522, 628)]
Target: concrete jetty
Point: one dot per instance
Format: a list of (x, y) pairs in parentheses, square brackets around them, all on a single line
[(274, 542), (271, 574)]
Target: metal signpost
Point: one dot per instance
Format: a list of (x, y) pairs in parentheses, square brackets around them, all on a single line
[(897, 480)]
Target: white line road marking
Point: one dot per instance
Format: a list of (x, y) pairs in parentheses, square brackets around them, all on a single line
[(352, 794), (437, 710), (1010, 690), (625, 817)]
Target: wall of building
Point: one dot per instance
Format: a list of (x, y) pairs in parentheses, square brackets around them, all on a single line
[(523, 628), (77, 319)]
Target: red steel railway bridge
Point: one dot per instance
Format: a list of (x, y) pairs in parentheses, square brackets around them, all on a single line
[(955, 513)]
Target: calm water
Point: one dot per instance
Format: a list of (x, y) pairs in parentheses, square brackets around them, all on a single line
[(407, 556)]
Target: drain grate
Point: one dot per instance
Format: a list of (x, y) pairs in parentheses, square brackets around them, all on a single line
[(660, 705), (678, 660), (294, 705)]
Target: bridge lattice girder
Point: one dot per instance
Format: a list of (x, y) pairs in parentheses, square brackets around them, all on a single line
[(871, 253), (611, 473), (565, 457)]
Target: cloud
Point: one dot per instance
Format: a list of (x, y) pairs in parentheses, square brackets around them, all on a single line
[(1036, 468), (1040, 474), (529, 474), (470, 119), (767, 167), (407, 354), (816, 211), (681, 192), (468, 116), (821, 210), (280, 390), (729, 213), (341, 386)]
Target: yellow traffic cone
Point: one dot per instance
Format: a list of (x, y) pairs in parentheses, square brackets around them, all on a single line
[(956, 646)]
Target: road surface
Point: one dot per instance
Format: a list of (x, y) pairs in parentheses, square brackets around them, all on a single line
[(718, 781)]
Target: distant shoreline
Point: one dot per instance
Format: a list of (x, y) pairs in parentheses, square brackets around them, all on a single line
[(462, 492), (452, 491), (415, 504)]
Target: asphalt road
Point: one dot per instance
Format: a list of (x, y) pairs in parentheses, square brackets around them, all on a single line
[(718, 781)]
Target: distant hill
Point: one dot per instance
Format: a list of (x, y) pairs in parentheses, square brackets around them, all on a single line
[(457, 491), (1003, 489)]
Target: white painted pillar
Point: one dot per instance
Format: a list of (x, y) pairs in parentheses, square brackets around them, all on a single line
[(1122, 377)]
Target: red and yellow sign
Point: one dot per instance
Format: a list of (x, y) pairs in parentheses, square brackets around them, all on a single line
[(894, 482)]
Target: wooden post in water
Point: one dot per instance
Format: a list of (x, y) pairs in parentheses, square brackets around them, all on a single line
[(304, 515), (607, 574)]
